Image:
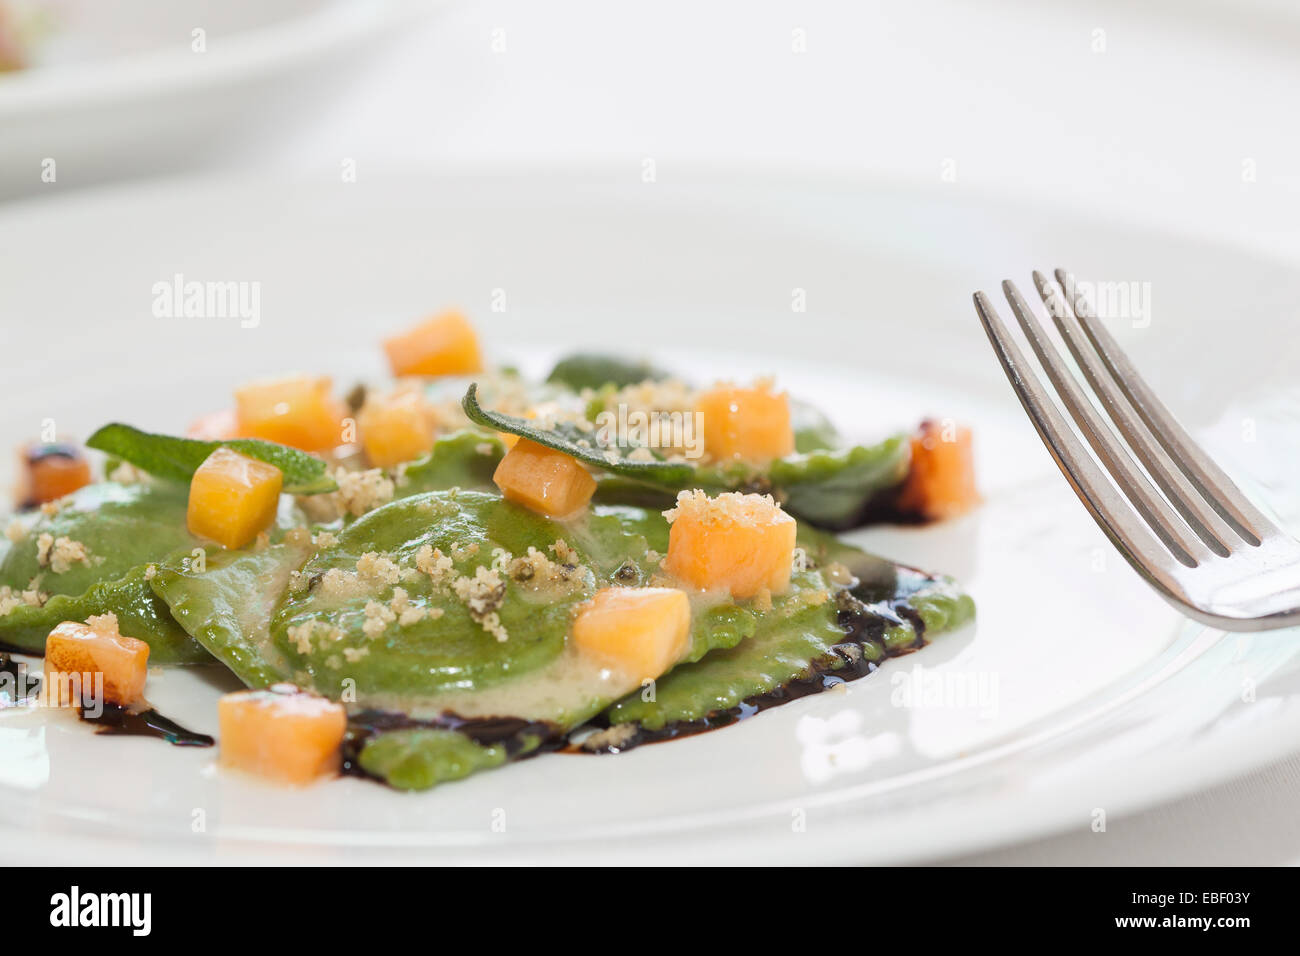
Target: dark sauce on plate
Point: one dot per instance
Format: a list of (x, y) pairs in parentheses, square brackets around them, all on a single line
[(116, 720)]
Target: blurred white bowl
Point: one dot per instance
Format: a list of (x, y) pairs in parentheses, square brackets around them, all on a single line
[(144, 86)]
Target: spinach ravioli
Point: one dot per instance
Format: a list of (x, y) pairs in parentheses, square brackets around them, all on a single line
[(480, 575)]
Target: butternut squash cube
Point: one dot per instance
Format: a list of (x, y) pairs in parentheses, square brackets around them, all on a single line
[(222, 425), (47, 472), (78, 655), (751, 424), (280, 733), (941, 481), (443, 345), (544, 480), (296, 410), (639, 631), (233, 498), (396, 428), (739, 543)]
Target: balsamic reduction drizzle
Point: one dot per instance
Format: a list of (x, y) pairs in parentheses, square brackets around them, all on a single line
[(117, 720)]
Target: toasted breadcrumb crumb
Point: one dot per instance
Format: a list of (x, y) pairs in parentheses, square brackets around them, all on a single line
[(378, 617), (358, 493), (611, 737), (435, 564), (482, 594), (337, 583), (461, 552), (105, 623), (730, 506), (60, 554), (377, 568), (362, 491), (31, 596)]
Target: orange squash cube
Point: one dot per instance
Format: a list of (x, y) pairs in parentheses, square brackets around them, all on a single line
[(48, 472), (941, 480), (443, 345), (233, 498), (751, 424), (222, 425), (639, 631), (396, 428), (280, 733), (76, 655), (739, 543), (544, 480), (296, 410)]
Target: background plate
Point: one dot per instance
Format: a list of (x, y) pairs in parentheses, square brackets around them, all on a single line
[(1077, 693)]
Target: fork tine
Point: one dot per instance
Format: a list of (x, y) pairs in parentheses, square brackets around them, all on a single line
[(1208, 478), (1185, 547), (1133, 538), (1202, 518)]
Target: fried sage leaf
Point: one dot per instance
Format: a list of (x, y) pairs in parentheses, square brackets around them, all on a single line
[(176, 459), (570, 438), (829, 488)]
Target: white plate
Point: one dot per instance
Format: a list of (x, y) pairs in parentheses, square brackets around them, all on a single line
[(137, 86), (1097, 698)]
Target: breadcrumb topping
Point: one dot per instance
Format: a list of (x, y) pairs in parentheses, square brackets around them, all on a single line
[(359, 492), (31, 596), (435, 564), (377, 568), (730, 507), (378, 617), (482, 595), (362, 491), (105, 624), (60, 554)]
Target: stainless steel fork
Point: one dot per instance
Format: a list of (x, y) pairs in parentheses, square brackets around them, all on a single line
[(1197, 539)]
